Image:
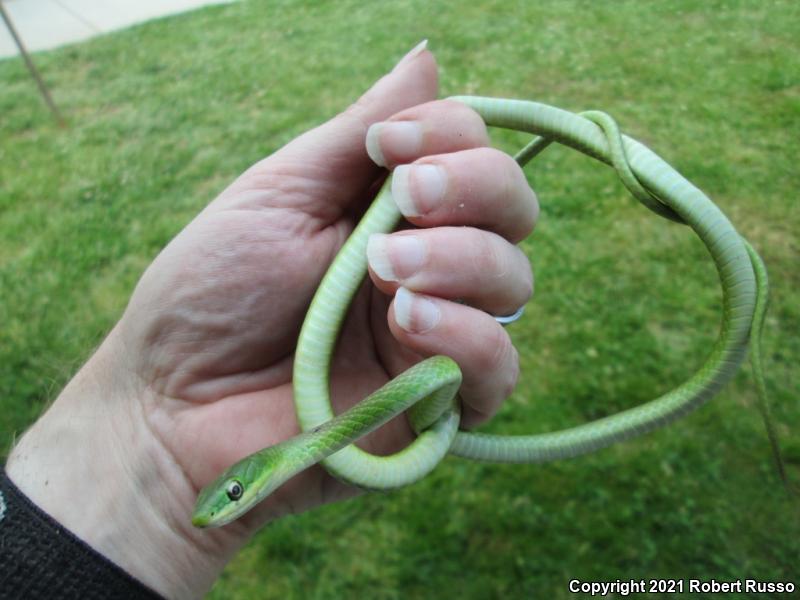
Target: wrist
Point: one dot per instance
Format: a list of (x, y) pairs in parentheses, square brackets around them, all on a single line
[(93, 463)]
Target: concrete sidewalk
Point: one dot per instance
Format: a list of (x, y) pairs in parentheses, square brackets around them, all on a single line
[(45, 24)]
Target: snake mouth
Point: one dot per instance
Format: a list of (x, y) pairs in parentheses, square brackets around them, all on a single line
[(201, 521), (205, 519)]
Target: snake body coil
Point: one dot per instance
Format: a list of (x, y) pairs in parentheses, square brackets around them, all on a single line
[(429, 388)]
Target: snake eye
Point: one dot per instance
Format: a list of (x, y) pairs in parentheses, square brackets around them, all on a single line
[(234, 490)]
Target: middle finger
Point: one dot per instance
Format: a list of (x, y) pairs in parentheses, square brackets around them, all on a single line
[(481, 187)]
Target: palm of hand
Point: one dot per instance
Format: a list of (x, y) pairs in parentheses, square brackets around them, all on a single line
[(215, 319)]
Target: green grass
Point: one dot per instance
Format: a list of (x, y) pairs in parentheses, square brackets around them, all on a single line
[(164, 114)]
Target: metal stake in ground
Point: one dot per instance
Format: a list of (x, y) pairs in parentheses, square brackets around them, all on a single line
[(31, 67)]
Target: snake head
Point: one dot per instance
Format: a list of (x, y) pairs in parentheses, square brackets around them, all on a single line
[(218, 502), (235, 492)]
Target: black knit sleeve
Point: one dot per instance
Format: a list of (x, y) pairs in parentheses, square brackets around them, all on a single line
[(41, 559)]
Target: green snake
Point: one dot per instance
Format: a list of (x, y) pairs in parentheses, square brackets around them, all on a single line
[(429, 389)]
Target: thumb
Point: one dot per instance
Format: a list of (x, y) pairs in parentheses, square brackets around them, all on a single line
[(413, 80), (335, 154)]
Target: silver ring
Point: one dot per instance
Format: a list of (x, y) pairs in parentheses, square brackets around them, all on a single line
[(511, 318)]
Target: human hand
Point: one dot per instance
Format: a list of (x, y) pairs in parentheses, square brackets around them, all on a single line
[(197, 373)]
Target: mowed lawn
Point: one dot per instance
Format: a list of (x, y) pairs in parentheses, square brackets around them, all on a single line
[(163, 115)]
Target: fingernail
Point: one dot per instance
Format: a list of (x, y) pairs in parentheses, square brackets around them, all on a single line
[(395, 257), (415, 313), (402, 138), (418, 189), (412, 54)]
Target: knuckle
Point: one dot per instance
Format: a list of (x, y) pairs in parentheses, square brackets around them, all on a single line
[(499, 351), (521, 201), (534, 204), (512, 374), (503, 364), (469, 124), (355, 114), (461, 111), (529, 213), (489, 257), (524, 276), (498, 162)]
